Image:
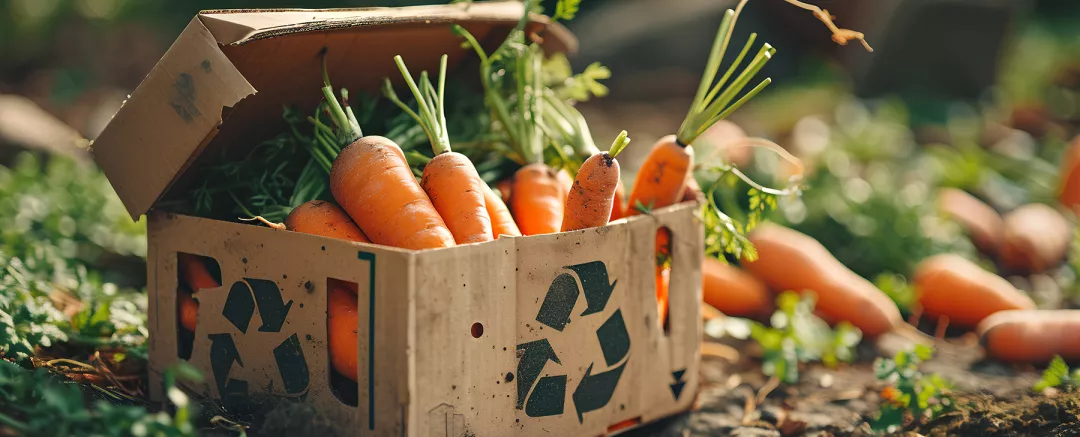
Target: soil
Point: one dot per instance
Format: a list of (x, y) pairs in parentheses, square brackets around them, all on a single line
[(991, 399)]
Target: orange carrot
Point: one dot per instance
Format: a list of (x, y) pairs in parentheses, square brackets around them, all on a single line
[(502, 223), (1036, 238), (949, 285), (663, 281), (978, 219), (661, 179), (538, 200), (195, 274), (189, 310), (618, 205), (1031, 336), (388, 205), (450, 179), (590, 201), (733, 291), (1069, 185), (789, 260), (326, 219), (565, 180), (342, 325), (505, 187)]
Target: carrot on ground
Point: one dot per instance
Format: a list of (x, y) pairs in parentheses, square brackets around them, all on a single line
[(1069, 185), (949, 285), (979, 220), (326, 219), (661, 180), (790, 260), (1036, 238), (1031, 336), (733, 291), (450, 179), (388, 205), (589, 203)]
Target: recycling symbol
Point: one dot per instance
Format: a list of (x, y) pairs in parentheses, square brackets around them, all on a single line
[(244, 296), (595, 387)]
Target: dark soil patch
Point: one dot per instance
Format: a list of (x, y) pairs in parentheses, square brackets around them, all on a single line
[(1057, 415)]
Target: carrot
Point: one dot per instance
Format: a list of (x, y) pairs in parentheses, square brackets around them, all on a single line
[(502, 223), (978, 219), (326, 219), (565, 180), (342, 325), (1031, 336), (505, 186), (1036, 238), (663, 282), (618, 205), (450, 179), (949, 285), (1069, 185), (590, 201), (371, 180), (189, 310), (733, 291), (790, 260), (661, 180), (195, 274), (538, 200)]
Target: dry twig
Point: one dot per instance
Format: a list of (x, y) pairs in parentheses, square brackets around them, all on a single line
[(841, 36)]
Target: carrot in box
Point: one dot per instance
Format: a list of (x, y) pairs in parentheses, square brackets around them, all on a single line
[(450, 179)]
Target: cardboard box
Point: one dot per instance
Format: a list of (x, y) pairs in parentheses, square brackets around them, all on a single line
[(543, 335)]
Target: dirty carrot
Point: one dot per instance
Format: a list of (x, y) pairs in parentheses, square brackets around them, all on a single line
[(589, 203), (502, 223), (1031, 336), (949, 285), (980, 221), (733, 291), (790, 260), (342, 326), (450, 179), (661, 180), (324, 218), (1036, 238)]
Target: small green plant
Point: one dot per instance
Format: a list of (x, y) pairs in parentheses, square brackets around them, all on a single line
[(909, 393), (897, 288), (1058, 374), (797, 336)]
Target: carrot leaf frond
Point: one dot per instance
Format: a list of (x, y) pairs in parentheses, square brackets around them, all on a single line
[(714, 101)]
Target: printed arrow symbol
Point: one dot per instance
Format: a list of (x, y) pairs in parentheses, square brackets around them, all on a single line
[(534, 355), (594, 279), (677, 387), (292, 365), (559, 302), (239, 306), (594, 391), (271, 306), (222, 355), (614, 338), (548, 398)]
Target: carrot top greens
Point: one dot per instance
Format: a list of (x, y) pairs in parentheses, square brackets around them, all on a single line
[(714, 102), (432, 115)]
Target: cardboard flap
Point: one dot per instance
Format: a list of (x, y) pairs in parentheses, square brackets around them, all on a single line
[(170, 116), (245, 65)]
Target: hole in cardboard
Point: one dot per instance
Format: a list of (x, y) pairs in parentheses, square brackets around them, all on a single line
[(477, 330), (624, 425), (193, 273), (342, 330), (663, 276)]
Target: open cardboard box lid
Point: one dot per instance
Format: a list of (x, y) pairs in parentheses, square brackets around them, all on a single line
[(246, 65)]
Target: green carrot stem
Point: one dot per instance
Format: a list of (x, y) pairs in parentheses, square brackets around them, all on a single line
[(731, 70), (620, 143), (735, 106)]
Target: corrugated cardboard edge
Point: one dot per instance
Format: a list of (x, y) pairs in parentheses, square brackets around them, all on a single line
[(147, 138)]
